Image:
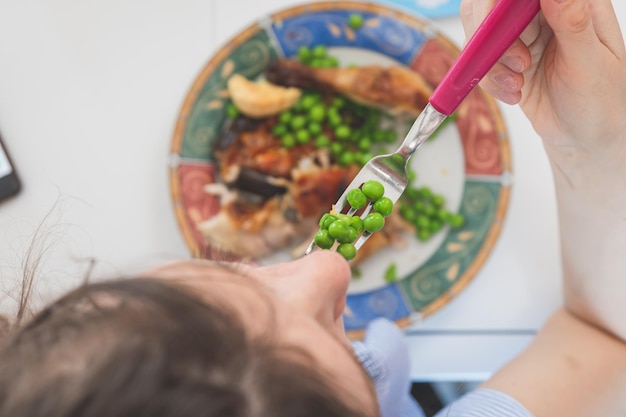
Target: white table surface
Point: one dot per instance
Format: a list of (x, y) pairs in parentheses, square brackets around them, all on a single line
[(89, 94)]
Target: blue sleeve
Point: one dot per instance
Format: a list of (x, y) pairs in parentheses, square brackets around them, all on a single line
[(385, 357), (485, 403)]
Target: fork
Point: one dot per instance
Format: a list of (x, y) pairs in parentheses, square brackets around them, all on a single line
[(504, 23)]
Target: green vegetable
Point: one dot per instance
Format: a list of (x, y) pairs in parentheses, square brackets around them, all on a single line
[(342, 132), (319, 51), (279, 130), (288, 140), (339, 230), (336, 148), (353, 235), (344, 217), (317, 63), (346, 159), (429, 210), (303, 136), (420, 206), (326, 220), (356, 223), (334, 119), (390, 136), (323, 239), (330, 62), (232, 111), (407, 213), (379, 136), (456, 220), (422, 222), (347, 250), (442, 214), (365, 144), (438, 200), (435, 226), (356, 198), (308, 101), (423, 235), (366, 157), (298, 122), (304, 54), (285, 117), (355, 21), (373, 222), (333, 110), (317, 113), (322, 141), (391, 273), (425, 193), (373, 190), (315, 128), (384, 206)]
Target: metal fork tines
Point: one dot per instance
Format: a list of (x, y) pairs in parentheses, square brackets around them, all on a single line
[(390, 169)]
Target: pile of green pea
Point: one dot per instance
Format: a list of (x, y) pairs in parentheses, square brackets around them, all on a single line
[(426, 211), (345, 229), (349, 130)]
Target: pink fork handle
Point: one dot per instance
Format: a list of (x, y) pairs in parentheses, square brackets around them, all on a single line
[(506, 21)]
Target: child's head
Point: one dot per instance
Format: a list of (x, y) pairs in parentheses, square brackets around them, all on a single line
[(192, 339)]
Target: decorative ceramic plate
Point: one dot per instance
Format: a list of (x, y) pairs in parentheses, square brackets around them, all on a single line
[(469, 163)]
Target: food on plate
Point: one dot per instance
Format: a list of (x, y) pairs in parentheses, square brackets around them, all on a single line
[(391, 273), (426, 211), (396, 89), (281, 170), (260, 99), (355, 20)]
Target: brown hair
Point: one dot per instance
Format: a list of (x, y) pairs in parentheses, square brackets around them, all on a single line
[(142, 347)]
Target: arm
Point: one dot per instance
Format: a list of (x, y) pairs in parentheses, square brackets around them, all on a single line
[(592, 218), (568, 73), (584, 82), (570, 369)]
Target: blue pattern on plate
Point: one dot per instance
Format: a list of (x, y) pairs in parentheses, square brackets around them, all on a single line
[(385, 302), (428, 8), (379, 33)]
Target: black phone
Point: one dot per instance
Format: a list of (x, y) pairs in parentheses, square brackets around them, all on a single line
[(9, 182)]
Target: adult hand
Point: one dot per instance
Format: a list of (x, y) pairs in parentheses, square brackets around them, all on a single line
[(567, 71)]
